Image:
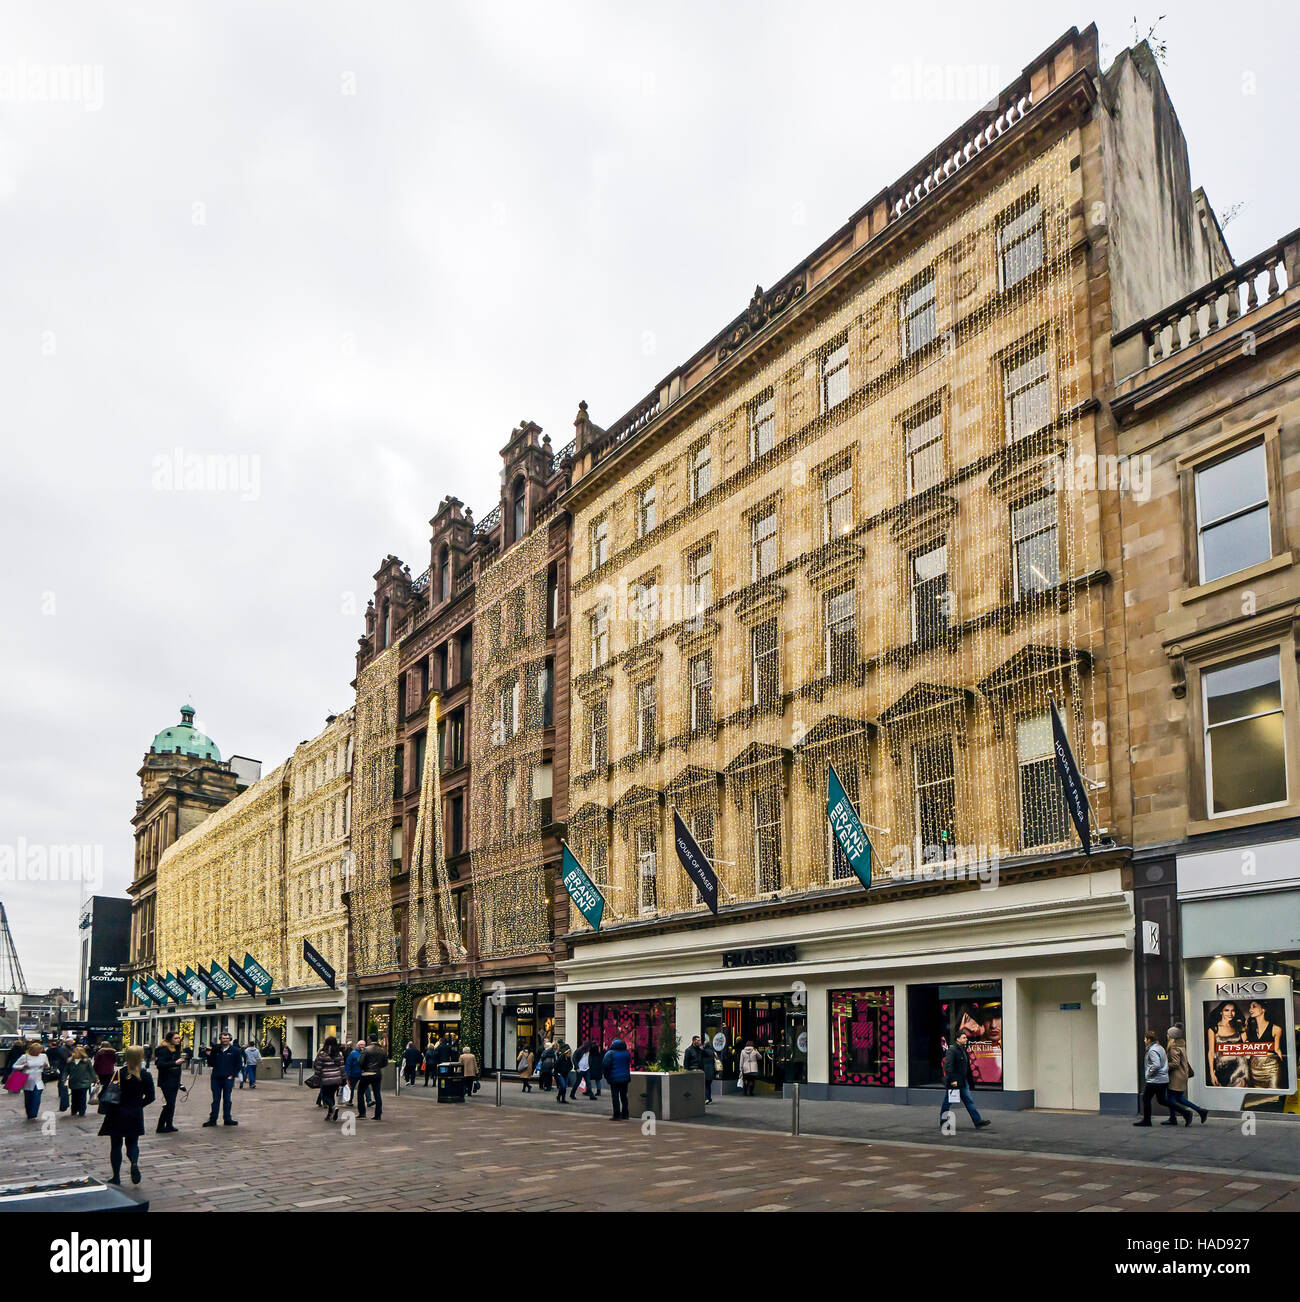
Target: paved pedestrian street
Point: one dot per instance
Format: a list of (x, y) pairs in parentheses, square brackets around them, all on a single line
[(536, 1156)]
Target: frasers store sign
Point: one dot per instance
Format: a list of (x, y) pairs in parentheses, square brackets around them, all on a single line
[(759, 957)]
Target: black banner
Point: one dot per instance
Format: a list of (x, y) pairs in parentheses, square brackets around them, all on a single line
[(237, 971), (698, 868), (208, 981), (1076, 795), (312, 957)]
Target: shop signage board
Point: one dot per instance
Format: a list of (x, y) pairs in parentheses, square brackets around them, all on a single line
[(1246, 1035), (760, 957)]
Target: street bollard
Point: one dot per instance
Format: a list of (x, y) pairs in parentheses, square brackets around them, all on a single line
[(794, 1117), (498, 1087), (300, 1073)]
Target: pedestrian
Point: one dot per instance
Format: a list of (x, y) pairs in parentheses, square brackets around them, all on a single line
[(285, 1057), (33, 1063), (546, 1066), (124, 1115), (410, 1061), (373, 1062), (105, 1062), (225, 1058), (430, 1061), (582, 1069), (168, 1059), (12, 1054), (749, 1065), (563, 1066), (956, 1076), (81, 1080), (252, 1056), (1155, 1074), (1180, 1072), (60, 1056), (330, 1069), (617, 1066), (469, 1070), (524, 1066), (352, 1070)]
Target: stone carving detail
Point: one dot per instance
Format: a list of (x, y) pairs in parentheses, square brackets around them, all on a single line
[(762, 308)]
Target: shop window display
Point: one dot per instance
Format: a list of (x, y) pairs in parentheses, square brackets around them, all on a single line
[(862, 1037), (936, 1015), (775, 1023), (638, 1023)]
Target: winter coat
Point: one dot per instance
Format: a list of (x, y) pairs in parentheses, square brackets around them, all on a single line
[(411, 1057), (956, 1066), (168, 1062), (105, 1062), (749, 1061), (373, 1060), (226, 1063), (563, 1065), (81, 1074), (125, 1120), (618, 1063), (468, 1065), (1156, 1066), (353, 1067), (329, 1067), (525, 1065), (1179, 1068)]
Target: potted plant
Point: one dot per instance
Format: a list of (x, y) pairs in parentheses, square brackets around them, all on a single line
[(669, 1092)]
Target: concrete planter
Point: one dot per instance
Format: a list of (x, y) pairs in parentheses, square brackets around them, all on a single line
[(670, 1095), (270, 1069)]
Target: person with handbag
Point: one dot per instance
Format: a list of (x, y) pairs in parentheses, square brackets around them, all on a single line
[(1180, 1072), (956, 1077), (563, 1066), (168, 1061), (60, 1056), (430, 1062), (469, 1070), (105, 1062), (81, 1080), (524, 1066), (328, 1075), (123, 1101), (32, 1069)]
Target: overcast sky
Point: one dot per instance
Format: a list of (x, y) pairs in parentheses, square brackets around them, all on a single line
[(356, 245)]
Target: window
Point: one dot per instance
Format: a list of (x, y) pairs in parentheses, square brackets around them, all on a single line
[(833, 379), (388, 624), (598, 735), (918, 322), (598, 624), (701, 472), (466, 656), (1043, 816), (929, 593), (507, 720), (1033, 538), (520, 511), (455, 824), (444, 574), (518, 619), (766, 804), (508, 804), (1020, 244), (455, 734), (600, 862), (701, 687), (395, 849), (935, 802), (645, 609), (762, 544), (645, 716), (701, 823), (841, 619), (700, 578), (645, 510), (837, 502), (923, 447), (1232, 525), (762, 425), (546, 692), (1026, 393), (835, 856), (766, 664), (443, 678), (1245, 749), (598, 534), (421, 750), (552, 596), (399, 756), (543, 788), (424, 677), (647, 868)]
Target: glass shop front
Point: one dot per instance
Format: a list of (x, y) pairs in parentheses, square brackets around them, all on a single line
[(778, 1027), (520, 1020), (638, 1023), (937, 1014)]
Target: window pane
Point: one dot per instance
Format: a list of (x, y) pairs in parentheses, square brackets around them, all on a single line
[(1235, 544), (1248, 763), (1240, 690), (1036, 563), (1043, 816), (1232, 485)]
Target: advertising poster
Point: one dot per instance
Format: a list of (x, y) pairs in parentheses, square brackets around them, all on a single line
[(1246, 1039)]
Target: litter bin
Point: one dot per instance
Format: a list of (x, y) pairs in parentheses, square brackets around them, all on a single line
[(451, 1083)]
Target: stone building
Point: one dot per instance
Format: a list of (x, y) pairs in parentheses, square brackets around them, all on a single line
[(1207, 397), (453, 911), (848, 530)]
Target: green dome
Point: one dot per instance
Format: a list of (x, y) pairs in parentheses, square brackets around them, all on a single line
[(186, 738)]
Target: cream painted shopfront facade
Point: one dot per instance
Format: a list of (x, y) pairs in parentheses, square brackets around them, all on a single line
[(859, 1001)]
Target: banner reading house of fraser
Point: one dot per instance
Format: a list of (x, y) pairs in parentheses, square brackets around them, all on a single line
[(236, 970), (174, 987), (1076, 796), (582, 890), (698, 868), (316, 961), (157, 991), (848, 828)]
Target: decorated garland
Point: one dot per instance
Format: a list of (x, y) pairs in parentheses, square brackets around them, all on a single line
[(470, 990)]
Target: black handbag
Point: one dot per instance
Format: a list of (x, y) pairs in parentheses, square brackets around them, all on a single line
[(111, 1095)]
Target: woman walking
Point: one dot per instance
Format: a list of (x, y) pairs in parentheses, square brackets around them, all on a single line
[(469, 1070), (524, 1066), (1180, 1070), (81, 1080), (124, 1119), (329, 1068), (749, 1064), (546, 1066), (105, 1062), (563, 1066), (32, 1064)]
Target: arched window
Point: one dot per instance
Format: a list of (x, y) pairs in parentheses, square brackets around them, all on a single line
[(444, 574), (521, 526)]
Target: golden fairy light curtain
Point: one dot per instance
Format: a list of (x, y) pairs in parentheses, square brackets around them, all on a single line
[(431, 896), (373, 935), (511, 793), (884, 554)]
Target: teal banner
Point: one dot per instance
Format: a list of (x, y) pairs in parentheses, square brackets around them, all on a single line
[(224, 983), (194, 983), (141, 993), (848, 829), (582, 890), (174, 988), (257, 974), (157, 992)]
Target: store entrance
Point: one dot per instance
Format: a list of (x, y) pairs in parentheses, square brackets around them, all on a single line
[(778, 1028)]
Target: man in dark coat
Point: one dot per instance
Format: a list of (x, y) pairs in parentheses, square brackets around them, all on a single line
[(168, 1061), (226, 1060), (618, 1071), (956, 1076), (373, 1062), (410, 1062)]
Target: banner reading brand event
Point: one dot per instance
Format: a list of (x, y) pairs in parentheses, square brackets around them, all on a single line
[(240, 975), (194, 983), (698, 868), (226, 988), (847, 826), (1076, 795), (175, 988), (260, 977), (141, 994), (209, 981), (582, 890), (157, 992), (316, 961)]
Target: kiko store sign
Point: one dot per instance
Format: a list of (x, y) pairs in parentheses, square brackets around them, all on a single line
[(762, 957)]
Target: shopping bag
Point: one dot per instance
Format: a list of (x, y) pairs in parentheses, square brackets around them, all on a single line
[(345, 1094), (954, 1096)]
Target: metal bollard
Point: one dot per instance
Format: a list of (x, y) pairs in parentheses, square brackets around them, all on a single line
[(498, 1087), (794, 1118), (300, 1076)]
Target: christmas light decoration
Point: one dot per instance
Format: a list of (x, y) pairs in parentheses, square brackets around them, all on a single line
[(510, 795), (430, 893), (881, 550)]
